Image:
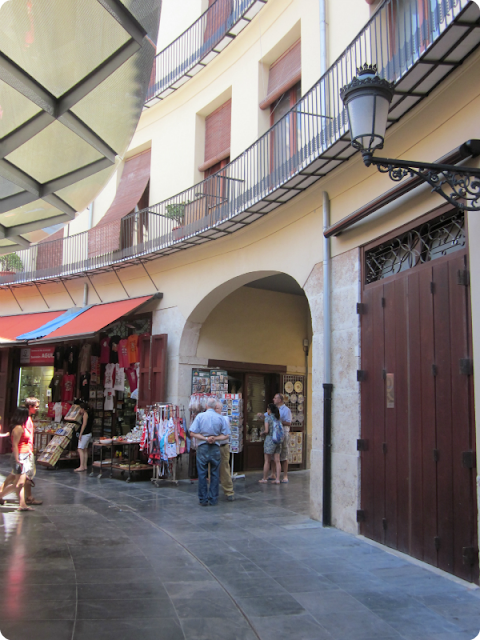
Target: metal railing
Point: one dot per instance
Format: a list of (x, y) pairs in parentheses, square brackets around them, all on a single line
[(193, 47), (395, 38)]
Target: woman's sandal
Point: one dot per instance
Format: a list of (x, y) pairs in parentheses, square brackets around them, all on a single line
[(34, 501), (26, 509), (263, 481)]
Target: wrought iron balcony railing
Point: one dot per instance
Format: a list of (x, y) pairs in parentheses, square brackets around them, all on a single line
[(413, 47), (198, 45)]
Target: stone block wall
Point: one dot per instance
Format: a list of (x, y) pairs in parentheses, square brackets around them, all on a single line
[(346, 390)]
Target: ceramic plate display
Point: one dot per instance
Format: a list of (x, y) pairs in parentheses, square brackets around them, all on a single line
[(286, 397), (293, 398), (289, 387), (300, 398), (298, 386), (300, 417), (294, 417), (300, 408)]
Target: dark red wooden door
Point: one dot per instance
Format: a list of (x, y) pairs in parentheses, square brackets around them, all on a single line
[(418, 460)]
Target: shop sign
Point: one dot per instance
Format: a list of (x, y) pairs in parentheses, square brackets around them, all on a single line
[(37, 356)]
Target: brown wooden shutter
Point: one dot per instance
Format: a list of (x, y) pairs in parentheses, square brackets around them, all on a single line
[(217, 135), (158, 375), (153, 370), (283, 74), (144, 394)]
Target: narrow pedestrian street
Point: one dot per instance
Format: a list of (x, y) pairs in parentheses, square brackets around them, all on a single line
[(110, 560)]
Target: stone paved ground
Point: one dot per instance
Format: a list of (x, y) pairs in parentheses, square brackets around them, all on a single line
[(102, 559)]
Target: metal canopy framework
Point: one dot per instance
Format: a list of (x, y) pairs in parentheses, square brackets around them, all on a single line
[(73, 78), (415, 55)]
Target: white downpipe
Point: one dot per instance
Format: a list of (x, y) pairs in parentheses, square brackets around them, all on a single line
[(90, 216), (85, 294), (323, 36)]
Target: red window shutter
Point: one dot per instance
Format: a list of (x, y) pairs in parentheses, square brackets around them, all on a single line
[(217, 19), (217, 135), (158, 376), (144, 383), (283, 74)]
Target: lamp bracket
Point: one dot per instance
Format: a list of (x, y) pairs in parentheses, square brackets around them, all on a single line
[(464, 182)]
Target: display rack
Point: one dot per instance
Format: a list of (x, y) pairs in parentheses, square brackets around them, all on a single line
[(131, 466)]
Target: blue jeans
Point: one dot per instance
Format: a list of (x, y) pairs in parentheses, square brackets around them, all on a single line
[(208, 453)]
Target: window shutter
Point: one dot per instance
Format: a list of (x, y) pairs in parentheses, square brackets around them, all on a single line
[(158, 376), (218, 21), (283, 74), (144, 384), (217, 135)]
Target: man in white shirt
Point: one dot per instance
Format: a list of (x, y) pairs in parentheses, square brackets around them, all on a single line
[(210, 431), (286, 418)]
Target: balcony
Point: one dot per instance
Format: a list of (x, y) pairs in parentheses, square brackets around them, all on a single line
[(413, 49), (198, 45)]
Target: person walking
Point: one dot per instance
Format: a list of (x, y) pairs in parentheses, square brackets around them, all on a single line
[(23, 460), (84, 436), (31, 404), (209, 429), (225, 475), (286, 418), (270, 448)]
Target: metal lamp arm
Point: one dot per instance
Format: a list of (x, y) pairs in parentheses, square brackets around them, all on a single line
[(464, 182)]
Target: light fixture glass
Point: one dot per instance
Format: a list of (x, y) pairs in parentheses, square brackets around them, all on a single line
[(367, 99)]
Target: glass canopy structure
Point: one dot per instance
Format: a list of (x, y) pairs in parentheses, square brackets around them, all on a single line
[(73, 81)]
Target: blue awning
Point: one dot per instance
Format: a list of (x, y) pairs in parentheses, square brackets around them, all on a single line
[(54, 324)]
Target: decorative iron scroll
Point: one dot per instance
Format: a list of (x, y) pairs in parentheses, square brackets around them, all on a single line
[(430, 240)]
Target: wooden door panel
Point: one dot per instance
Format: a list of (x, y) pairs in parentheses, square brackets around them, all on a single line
[(401, 388), (391, 427), (367, 403), (427, 416), (463, 438), (443, 403), (378, 414)]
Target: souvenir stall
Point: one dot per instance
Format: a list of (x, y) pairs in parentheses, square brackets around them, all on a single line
[(63, 437), (255, 390), (164, 439)]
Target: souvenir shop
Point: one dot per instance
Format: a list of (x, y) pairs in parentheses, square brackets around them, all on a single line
[(105, 367), (245, 390)]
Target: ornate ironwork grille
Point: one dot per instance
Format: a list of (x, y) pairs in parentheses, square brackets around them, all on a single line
[(428, 241)]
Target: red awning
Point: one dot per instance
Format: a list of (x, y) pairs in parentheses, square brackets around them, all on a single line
[(13, 326), (95, 319)]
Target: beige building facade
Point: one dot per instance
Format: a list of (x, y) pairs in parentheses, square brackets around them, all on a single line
[(209, 308)]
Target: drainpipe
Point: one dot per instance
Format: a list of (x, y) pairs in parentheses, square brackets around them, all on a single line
[(327, 372), (90, 216), (323, 36), (85, 294)]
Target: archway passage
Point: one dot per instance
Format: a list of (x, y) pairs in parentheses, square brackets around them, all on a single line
[(255, 338)]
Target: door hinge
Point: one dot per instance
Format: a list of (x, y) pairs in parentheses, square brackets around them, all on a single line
[(361, 375), (384, 524), (466, 366), (470, 555), (469, 459), (436, 542), (432, 287), (383, 302), (361, 517), (434, 370), (463, 277), (436, 455), (384, 447), (362, 445), (361, 308)]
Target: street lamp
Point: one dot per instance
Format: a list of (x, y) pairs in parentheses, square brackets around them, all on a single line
[(367, 99)]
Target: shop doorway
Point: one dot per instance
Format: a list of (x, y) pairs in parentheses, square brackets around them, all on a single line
[(418, 434)]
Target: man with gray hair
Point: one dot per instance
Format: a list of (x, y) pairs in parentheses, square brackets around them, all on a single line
[(209, 429)]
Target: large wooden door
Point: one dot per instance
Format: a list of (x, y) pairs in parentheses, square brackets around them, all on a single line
[(418, 491)]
